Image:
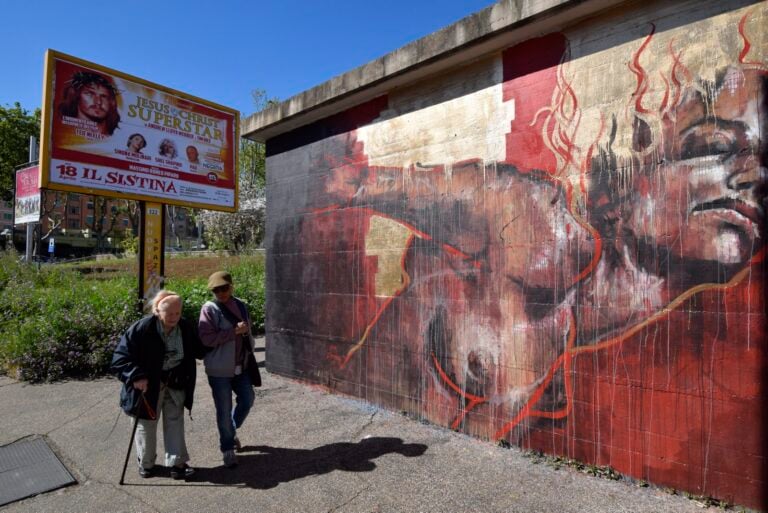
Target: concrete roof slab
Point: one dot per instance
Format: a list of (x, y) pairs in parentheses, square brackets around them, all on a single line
[(491, 29)]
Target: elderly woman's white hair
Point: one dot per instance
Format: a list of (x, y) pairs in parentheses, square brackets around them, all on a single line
[(162, 299)]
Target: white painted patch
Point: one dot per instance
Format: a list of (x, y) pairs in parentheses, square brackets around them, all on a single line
[(728, 245), (462, 126)]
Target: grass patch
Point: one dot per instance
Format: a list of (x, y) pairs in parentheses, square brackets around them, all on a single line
[(59, 322)]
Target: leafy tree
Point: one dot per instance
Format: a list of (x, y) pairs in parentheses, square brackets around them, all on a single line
[(240, 230), (244, 228), (252, 163), (252, 156), (16, 125)]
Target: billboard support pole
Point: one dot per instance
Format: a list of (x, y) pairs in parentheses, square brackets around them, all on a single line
[(151, 251), (30, 226), (30, 234)]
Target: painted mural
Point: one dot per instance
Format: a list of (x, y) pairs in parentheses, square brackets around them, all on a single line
[(561, 246)]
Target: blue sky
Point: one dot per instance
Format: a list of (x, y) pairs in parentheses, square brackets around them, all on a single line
[(220, 50)]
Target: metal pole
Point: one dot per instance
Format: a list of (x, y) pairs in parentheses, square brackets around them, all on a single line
[(30, 233), (30, 226)]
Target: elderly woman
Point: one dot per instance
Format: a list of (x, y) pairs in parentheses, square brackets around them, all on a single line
[(155, 360), (225, 328), (167, 149)]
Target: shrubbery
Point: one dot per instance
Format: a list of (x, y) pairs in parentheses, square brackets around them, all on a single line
[(55, 323), (248, 278)]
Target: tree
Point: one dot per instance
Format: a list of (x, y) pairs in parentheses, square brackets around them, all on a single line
[(242, 229), (16, 125), (174, 213), (132, 211), (53, 207), (252, 156), (105, 213), (252, 163)]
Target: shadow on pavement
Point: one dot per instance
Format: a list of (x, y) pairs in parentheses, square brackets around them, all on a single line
[(266, 467)]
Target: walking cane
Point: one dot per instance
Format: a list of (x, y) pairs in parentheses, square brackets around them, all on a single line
[(152, 416), (130, 445)]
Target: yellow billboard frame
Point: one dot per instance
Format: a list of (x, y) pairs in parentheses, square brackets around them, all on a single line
[(47, 128)]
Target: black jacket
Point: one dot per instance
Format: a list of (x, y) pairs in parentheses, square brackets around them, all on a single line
[(140, 355)]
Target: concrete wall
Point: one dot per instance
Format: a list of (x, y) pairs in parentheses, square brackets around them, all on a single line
[(559, 245)]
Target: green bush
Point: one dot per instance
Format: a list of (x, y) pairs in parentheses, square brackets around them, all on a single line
[(130, 245), (56, 323), (194, 294), (248, 276)]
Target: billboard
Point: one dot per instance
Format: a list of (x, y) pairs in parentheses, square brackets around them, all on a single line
[(111, 134), (27, 200)]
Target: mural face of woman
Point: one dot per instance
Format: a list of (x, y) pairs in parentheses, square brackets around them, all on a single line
[(702, 201)]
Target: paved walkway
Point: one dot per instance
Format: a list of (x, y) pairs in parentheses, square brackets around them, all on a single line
[(304, 451)]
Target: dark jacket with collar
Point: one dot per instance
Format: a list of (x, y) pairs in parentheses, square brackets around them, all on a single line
[(140, 354)]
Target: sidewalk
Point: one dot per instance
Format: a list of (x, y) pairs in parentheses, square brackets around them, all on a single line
[(304, 451)]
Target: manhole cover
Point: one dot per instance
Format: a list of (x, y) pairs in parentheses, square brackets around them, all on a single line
[(29, 467)]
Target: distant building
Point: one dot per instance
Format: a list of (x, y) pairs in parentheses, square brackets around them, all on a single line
[(76, 219), (6, 216)]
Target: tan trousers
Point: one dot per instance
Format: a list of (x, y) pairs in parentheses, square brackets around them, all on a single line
[(170, 406)]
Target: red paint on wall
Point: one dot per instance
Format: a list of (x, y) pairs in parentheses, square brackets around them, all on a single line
[(686, 412), (671, 392), (530, 78)]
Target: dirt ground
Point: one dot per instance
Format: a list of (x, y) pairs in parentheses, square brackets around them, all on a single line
[(175, 267)]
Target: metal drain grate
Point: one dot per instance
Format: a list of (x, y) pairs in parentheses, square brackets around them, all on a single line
[(29, 467)]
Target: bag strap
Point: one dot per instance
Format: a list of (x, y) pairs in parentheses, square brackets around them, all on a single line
[(243, 311), (227, 313), (230, 316)]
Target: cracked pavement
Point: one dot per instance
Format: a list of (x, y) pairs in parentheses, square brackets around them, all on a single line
[(304, 450)]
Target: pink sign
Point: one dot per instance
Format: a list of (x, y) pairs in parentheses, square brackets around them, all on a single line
[(27, 205)]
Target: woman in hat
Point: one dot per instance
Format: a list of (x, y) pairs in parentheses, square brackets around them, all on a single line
[(155, 360), (224, 328)]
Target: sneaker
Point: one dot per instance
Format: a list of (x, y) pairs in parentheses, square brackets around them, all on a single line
[(146, 472), (238, 446), (182, 472), (230, 459)]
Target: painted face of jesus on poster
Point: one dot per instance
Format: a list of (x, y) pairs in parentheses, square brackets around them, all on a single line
[(91, 97)]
